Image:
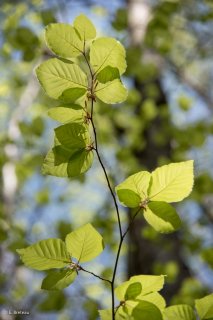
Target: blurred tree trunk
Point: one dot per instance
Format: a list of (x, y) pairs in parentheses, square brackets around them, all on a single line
[(142, 252)]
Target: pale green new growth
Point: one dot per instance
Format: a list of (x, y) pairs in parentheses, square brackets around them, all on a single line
[(162, 217), (179, 312), (106, 52), (172, 182), (204, 307), (85, 243), (58, 279), (45, 254), (56, 76), (151, 192), (111, 92), (84, 27), (67, 113), (63, 40), (72, 154)]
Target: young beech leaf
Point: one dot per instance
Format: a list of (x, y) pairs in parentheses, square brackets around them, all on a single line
[(148, 283), (111, 92), (107, 52), (162, 217), (85, 243), (204, 307), (132, 191), (56, 76), (133, 290), (179, 312), (45, 254), (140, 310), (106, 314), (67, 113), (171, 183), (58, 279), (71, 155), (154, 298), (71, 95), (108, 74), (84, 27), (63, 40)]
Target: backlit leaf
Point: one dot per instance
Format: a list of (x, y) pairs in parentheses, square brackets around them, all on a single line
[(58, 279), (45, 254), (204, 307), (85, 243), (162, 217), (139, 310), (133, 290), (111, 92), (63, 40), (132, 191), (172, 183), (67, 113), (84, 27), (56, 76), (179, 312), (107, 52)]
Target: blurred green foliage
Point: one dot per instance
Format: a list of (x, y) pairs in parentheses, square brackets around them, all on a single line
[(167, 117)]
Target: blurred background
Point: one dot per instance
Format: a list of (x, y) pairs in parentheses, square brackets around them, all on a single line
[(166, 118)]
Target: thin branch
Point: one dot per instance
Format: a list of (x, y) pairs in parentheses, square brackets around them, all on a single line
[(92, 273), (131, 222)]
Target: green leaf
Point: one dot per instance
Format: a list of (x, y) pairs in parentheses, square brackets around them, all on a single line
[(146, 310), (73, 135), (132, 191), (58, 279), (162, 217), (107, 52), (133, 290), (139, 310), (172, 183), (111, 92), (45, 254), (179, 312), (72, 155), (63, 40), (108, 74), (85, 243), (67, 113), (154, 298), (148, 283), (56, 76), (72, 94), (204, 307), (84, 27), (79, 163), (105, 314)]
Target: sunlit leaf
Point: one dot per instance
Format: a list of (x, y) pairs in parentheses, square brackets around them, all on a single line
[(58, 279), (132, 191), (154, 298), (139, 310), (84, 27), (172, 183), (204, 307), (162, 217), (107, 52), (111, 92), (71, 155), (72, 94), (56, 76), (67, 113), (179, 312), (63, 40), (45, 254), (133, 290), (85, 243), (108, 74), (148, 283)]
